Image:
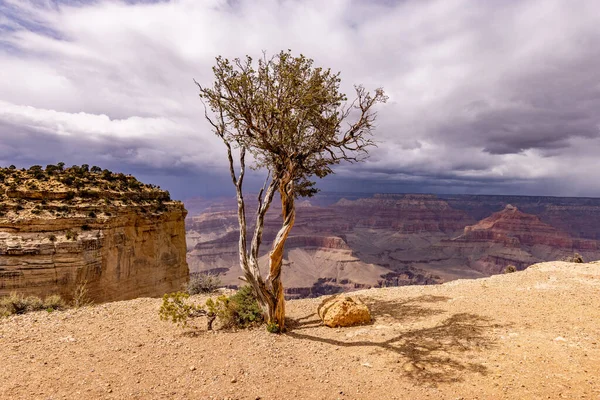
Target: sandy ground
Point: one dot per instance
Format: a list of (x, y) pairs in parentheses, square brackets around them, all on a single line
[(527, 335)]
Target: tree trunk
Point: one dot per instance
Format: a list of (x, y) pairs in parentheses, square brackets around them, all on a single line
[(276, 307)]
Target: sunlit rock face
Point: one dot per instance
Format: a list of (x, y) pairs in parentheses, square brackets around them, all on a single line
[(60, 229), (124, 256)]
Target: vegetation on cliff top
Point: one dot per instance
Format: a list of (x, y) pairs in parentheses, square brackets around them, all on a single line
[(61, 190)]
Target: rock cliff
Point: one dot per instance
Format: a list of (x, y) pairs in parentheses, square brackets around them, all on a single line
[(123, 240)]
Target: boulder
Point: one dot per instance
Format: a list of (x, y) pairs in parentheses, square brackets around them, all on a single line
[(343, 311)]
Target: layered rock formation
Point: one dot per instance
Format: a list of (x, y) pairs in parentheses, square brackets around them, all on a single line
[(512, 237), (120, 243), (404, 213), (414, 239), (577, 216)]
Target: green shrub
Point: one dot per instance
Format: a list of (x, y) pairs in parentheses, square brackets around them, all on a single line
[(273, 327), (237, 311), (52, 237), (177, 309), (203, 283), (240, 310)]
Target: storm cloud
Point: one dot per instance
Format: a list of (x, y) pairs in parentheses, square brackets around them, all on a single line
[(485, 96)]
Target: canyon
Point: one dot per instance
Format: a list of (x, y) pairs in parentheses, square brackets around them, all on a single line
[(113, 237), (350, 241)]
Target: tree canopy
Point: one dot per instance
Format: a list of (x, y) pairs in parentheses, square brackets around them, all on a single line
[(292, 118)]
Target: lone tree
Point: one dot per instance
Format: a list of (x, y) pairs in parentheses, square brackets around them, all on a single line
[(291, 118)]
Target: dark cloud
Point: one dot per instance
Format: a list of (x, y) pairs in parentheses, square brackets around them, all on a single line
[(494, 96)]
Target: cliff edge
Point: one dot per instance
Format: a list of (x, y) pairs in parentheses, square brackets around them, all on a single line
[(64, 227), (532, 334)]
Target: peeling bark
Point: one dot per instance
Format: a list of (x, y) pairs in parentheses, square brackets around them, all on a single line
[(276, 312)]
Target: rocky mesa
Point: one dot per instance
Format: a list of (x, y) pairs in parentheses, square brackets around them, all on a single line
[(64, 227)]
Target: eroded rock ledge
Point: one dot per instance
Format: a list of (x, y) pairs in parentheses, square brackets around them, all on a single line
[(122, 238)]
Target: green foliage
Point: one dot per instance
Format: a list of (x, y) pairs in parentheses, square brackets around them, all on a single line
[(237, 311), (289, 114), (80, 182), (203, 283), (19, 304), (273, 327), (52, 237), (177, 309), (240, 310)]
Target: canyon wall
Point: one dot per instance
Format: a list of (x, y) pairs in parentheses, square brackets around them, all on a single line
[(127, 255), (412, 238), (65, 228)]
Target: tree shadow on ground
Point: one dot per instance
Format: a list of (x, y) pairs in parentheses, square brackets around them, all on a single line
[(398, 310), (430, 355), (403, 310)]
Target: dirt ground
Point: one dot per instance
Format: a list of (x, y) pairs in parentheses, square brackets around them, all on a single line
[(527, 335)]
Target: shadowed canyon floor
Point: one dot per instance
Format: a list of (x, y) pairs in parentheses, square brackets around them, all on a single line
[(528, 335)]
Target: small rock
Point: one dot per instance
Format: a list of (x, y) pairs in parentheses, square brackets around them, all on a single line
[(560, 339), (192, 368), (233, 380)]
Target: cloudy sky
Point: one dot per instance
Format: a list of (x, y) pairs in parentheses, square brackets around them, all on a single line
[(495, 96)]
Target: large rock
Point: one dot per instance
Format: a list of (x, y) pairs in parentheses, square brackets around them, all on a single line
[(343, 311)]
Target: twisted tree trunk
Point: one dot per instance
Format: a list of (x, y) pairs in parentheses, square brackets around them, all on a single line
[(276, 307)]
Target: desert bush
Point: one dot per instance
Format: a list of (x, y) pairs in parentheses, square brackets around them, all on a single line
[(510, 269), (52, 237), (176, 308), (70, 235), (80, 296), (19, 304), (203, 283), (54, 302), (240, 310), (575, 258)]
